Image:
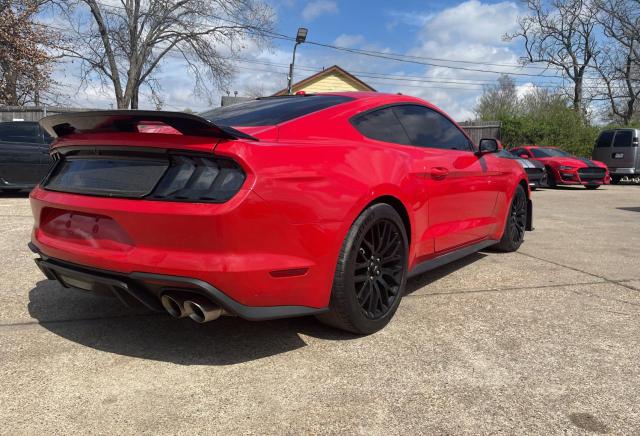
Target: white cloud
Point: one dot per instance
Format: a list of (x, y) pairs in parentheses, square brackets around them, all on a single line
[(471, 31), (346, 40), (316, 8)]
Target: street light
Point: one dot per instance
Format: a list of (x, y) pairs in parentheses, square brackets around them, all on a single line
[(300, 38)]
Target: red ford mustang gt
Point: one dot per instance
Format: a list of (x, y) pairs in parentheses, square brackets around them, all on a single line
[(566, 169), (286, 206)]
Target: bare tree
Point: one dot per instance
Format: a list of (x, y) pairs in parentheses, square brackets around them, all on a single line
[(561, 35), (255, 90), (499, 100), (618, 64), (124, 42), (25, 59)]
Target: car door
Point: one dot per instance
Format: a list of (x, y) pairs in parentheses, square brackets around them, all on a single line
[(382, 124), (22, 160), (459, 183)]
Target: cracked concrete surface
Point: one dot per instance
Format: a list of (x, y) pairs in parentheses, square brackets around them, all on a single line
[(545, 340)]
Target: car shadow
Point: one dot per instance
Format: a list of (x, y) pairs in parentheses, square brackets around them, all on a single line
[(427, 278), (104, 324), (576, 187), (629, 209)]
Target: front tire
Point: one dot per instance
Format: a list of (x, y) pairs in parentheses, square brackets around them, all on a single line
[(551, 180), (516, 224), (371, 272), (592, 186)]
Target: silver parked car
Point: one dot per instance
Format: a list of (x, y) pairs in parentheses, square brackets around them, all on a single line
[(618, 148)]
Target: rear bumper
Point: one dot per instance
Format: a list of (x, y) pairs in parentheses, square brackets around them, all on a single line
[(624, 171), (146, 289), (243, 247)]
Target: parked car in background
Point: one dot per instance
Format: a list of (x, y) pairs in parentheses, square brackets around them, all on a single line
[(317, 204), (24, 155), (618, 149), (564, 168), (536, 173)]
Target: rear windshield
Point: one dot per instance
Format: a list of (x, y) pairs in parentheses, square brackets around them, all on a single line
[(271, 110), (623, 138), (604, 140)]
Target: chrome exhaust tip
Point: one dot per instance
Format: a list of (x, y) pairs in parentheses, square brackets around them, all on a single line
[(202, 310), (174, 305)]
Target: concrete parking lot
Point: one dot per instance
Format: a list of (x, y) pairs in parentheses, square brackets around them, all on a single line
[(545, 340)]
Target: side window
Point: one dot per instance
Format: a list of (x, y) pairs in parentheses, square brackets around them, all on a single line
[(428, 128), (20, 133), (383, 125), (623, 138), (538, 153), (604, 140)]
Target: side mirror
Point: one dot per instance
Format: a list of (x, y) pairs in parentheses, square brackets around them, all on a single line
[(524, 156), (488, 145)]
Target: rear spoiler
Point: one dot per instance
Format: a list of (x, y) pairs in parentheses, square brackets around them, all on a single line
[(127, 121)]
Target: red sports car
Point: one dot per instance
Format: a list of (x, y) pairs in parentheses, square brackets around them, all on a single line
[(566, 169), (283, 206)]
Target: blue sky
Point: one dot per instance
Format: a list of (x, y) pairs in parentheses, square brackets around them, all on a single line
[(468, 32)]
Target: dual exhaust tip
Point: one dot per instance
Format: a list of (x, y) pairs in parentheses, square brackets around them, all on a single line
[(195, 306)]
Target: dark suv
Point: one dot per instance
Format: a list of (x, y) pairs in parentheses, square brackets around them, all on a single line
[(24, 155)]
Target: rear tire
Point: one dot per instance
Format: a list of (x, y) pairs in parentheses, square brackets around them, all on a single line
[(516, 223), (371, 272), (615, 180)]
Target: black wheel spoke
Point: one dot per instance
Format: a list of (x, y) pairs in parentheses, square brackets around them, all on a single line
[(518, 217), (379, 267)]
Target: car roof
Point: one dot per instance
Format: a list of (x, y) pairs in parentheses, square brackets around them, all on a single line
[(378, 97)]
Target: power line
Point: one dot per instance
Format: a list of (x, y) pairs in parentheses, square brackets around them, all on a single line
[(371, 53)]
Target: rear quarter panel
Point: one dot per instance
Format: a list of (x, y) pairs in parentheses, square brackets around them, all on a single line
[(331, 180)]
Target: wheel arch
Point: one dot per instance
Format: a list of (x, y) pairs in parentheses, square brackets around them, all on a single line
[(399, 207)]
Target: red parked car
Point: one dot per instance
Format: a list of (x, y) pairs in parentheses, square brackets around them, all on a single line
[(566, 169), (286, 206)]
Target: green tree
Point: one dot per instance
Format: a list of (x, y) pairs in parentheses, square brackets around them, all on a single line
[(499, 100), (541, 116)]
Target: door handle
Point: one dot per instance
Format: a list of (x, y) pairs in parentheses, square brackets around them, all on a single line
[(439, 173)]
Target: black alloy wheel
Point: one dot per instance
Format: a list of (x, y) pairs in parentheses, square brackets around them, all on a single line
[(516, 223), (371, 272), (518, 216), (379, 266)]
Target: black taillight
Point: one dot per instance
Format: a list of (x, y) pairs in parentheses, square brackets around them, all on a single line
[(199, 179)]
